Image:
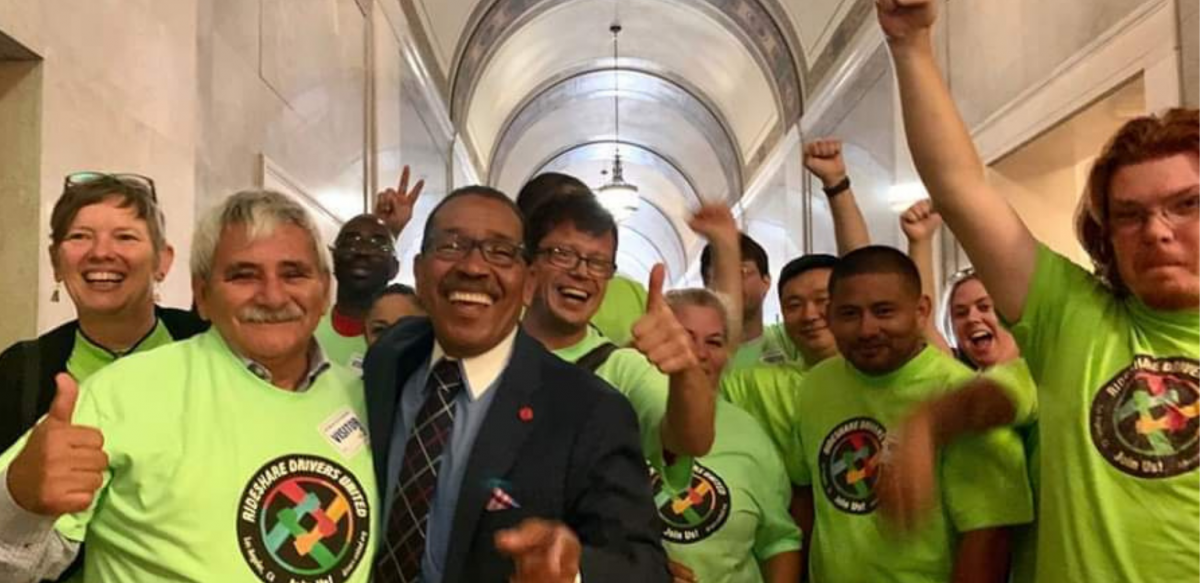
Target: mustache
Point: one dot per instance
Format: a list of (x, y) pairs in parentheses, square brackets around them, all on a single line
[(263, 315)]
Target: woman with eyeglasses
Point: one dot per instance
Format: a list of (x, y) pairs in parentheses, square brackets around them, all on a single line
[(109, 252)]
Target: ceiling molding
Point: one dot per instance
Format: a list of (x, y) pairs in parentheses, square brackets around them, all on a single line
[(425, 48), (568, 92), (858, 16), (647, 68), (748, 20)]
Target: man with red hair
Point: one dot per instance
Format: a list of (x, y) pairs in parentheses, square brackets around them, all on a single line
[(1114, 353)]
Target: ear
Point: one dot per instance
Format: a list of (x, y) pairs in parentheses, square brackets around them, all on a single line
[(200, 297), (418, 277), (54, 262), (393, 268), (166, 258), (326, 291), (924, 309), (530, 289)]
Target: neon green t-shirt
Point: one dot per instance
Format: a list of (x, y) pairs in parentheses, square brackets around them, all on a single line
[(216, 475), (773, 347), (1118, 402), (844, 419), (624, 302), (87, 357), (347, 351), (767, 392), (735, 514), (647, 389)]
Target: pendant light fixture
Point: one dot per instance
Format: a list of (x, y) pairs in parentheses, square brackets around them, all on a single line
[(619, 197)]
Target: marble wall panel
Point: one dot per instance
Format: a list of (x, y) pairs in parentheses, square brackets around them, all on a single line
[(118, 94), (999, 49), (20, 164), (313, 58)]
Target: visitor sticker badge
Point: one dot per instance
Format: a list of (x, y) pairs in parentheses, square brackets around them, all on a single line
[(345, 432)]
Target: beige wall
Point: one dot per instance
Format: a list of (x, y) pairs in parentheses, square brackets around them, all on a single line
[(1000, 49), (118, 94), (195, 93), (20, 158), (1189, 38)]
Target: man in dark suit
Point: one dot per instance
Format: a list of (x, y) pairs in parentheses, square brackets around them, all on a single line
[(520, 465)]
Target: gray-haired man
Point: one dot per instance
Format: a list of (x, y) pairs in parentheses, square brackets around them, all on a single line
[(237, 454)]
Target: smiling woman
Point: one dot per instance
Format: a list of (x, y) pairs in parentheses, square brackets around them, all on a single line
[(108, 252)]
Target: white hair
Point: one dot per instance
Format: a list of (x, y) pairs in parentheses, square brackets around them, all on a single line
[(261, 211), (702, 297)]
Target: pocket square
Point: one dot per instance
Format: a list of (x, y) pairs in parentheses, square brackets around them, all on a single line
[(500, 500)]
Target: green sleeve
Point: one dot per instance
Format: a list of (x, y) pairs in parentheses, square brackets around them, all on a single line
[(777, 532), (985, 482), (647, 390), (89, 412), (1060, 292), (768, 394), (794, 459), (1014, 378)]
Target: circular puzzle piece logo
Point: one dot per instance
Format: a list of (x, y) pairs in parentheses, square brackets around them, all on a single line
[(303, 519), (1146, 420), (850, 459), (694, 514)]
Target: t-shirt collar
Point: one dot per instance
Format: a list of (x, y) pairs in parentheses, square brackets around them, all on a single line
[(1189, 319), (109, 355), (317, 364), (916, 363), (480, 371)]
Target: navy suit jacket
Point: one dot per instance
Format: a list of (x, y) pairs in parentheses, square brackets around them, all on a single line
[(576, 459)]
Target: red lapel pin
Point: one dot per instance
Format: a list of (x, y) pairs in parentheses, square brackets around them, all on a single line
[(526, 414)]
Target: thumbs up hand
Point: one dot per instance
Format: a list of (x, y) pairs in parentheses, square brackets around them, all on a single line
[(62, 465), (659, 336)]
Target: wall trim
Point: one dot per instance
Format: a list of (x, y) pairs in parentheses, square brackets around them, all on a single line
[(772, 164), (1142, 41), (843, 76)]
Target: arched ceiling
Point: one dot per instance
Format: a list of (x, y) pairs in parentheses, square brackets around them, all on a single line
[(707, 89)]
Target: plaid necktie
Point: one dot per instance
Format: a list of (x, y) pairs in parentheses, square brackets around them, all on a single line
[(400, 559)]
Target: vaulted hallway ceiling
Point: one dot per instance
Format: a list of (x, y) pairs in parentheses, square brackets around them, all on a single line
[(708, 88)]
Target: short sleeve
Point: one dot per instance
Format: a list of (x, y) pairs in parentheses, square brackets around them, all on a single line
[(647, 390), (1015, 380), (985, 482), (1059, 292), (768, 393), (794, 460), (777, 532)]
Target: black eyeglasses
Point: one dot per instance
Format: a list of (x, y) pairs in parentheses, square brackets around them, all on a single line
[(136, 181), (453, 247), (568, 259)]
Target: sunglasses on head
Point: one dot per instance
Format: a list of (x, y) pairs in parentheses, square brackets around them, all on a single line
[(137, 181)]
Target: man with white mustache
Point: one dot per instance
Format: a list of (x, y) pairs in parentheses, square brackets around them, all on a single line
[(237, 455)]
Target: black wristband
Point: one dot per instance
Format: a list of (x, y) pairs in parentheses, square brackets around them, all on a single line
[(836, 189)]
